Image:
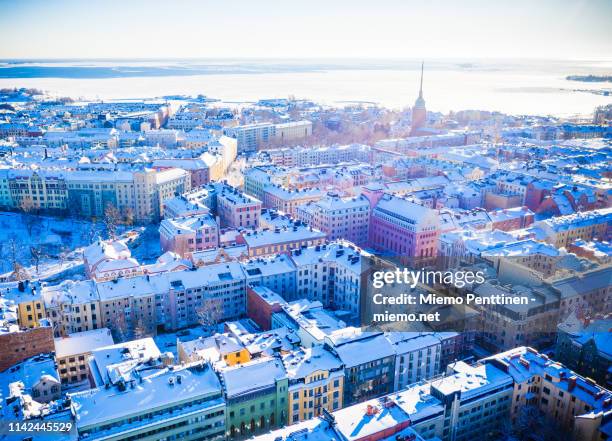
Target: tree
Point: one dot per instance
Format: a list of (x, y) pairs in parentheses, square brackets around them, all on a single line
[(129, 216), (19, 272), (92, 232), (119, 327), (63, 255), (210, 313), (112, 218), (27, 207), (36, 254), (142, 329)]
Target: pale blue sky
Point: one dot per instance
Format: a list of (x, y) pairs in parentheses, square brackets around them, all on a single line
[(569, 29)]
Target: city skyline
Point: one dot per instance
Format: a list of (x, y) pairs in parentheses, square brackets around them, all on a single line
[(306, 221)]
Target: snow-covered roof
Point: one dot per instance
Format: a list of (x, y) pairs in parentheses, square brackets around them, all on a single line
[(212, 348), (186, 225), (171, 174), (160, 390), (471, 380), (524, 363), (82, 342), (106, 250), (250, 377), (355, 347), (117, 362), (306, 361)]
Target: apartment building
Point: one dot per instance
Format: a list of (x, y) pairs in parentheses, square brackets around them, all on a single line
[(511, 219), (72, 353), (236, 209), (276, 273), (287, 201), (305, 156), (185, 235), (83, 138), (509, 325), (219, 350), (575, 404), (199, 201), (251, 137), (142, 304), (72, 306), (199, 168), (256, 396), (402, 228), (369, 363), (590, 291), (256, 179), (417, 357), (564, 230), (262, 303), (331, 273), (338, 218), (280, 240), (316, 380), (583, 345), (91, 192), (29, 191), (6, 200), (25, 342), (292, 131), (114, 364), (185, 402), (475, 399)]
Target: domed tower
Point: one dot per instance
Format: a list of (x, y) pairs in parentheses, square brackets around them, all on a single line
[(419, 112)]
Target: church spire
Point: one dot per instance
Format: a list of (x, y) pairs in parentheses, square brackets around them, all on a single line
[(419, 112), (421, 87)]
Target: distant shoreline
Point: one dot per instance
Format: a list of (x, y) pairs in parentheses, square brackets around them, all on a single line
[(590, 78)]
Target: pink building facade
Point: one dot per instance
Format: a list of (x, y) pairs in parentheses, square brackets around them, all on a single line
[(184, 235), (404, 228), (237, 210)]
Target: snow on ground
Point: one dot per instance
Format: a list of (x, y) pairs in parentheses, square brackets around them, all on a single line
[(58, 241), (145, 249)]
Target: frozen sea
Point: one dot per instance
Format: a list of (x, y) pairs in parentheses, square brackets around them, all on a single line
[(536, 87)]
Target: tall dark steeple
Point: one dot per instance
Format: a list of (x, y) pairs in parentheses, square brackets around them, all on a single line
[(419, 112)]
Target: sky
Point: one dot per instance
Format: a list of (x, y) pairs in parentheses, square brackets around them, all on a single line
[(556, 29)]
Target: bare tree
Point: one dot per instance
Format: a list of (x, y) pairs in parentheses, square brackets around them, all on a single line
[(20, 273), (210, 313), (112, 218), (27, 207), (142, 329), (13, 247), (36, 255), (62, 255), (119, 327), (92, 232), (129, 216)]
